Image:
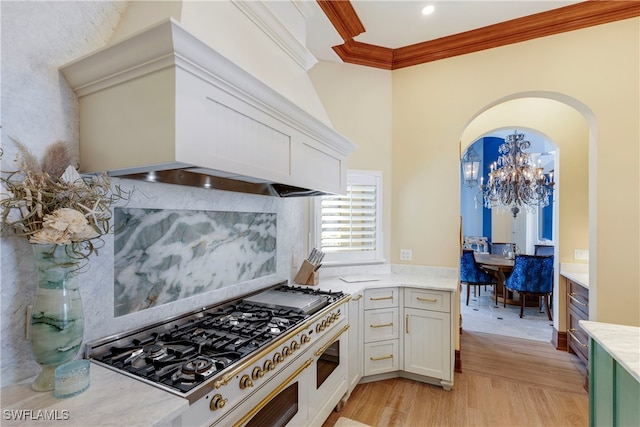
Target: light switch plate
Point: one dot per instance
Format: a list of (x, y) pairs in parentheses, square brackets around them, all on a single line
[(581, 254)]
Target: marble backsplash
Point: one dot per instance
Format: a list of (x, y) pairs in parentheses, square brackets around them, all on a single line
[(165, 255)]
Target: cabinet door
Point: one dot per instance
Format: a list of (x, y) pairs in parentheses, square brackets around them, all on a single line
[(355, 342), (427, 343), (381, 324)]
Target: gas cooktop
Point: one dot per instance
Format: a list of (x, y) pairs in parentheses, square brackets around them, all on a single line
[(182, 353)]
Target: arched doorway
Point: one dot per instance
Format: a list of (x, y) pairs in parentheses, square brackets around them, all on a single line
[(568, 124)]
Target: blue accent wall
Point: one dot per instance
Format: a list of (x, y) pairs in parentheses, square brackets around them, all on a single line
[(490, 149)]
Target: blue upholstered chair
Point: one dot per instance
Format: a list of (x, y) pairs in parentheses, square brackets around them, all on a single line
[(471, 274), (531, 275)]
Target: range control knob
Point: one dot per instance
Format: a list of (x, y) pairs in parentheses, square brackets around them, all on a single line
[(217, 402), (304, 339), (295, 346), (245, 382), (277, 358), (257, 373), (319, 327), (268, 366), (286, 351)]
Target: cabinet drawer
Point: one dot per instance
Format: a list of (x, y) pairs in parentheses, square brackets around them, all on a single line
[(380, 357), (578, 298), (381, 324), (426, 299), (577, 338), (380, 298)]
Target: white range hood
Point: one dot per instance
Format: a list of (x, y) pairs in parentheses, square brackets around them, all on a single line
[(162, 105)]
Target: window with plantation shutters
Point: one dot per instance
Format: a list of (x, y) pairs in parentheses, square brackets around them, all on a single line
[(347, 227)]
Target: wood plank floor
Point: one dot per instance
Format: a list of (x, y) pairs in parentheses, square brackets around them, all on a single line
[(504, 382)]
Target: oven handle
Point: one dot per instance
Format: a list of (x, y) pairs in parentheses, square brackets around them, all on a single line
[(277, 390), (332, 340)]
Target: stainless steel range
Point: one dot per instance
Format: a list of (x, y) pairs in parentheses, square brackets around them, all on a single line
[(244, 361)]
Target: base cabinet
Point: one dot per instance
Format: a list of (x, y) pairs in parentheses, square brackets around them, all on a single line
[(613, 392), (426, 340), (428, 334), (355, 342), (380, 326), (577, 309), (408, 332)]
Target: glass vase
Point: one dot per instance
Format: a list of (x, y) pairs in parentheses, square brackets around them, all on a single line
[(57, 320)]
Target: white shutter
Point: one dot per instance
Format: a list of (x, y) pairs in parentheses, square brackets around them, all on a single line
[(349, 222), (348, 226)]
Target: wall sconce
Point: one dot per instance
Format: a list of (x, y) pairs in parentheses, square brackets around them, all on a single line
[(470, 167)]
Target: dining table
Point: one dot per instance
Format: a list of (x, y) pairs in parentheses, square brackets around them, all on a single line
[(500, 267)]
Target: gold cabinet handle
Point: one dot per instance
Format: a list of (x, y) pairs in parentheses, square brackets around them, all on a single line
[(381, 298), (571, 331), (275, 392), (427, 299), (576, 300), (384, 325), (375, 359), (406, 324), (356, 298)]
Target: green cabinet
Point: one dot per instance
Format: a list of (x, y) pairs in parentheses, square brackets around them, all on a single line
[(614, 395)]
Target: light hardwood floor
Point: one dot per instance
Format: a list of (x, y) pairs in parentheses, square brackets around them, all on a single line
[(504, 381)]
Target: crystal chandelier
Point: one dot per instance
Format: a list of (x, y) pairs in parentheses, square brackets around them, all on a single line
[(514, 182)]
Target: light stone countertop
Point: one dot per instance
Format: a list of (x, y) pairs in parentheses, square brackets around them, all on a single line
[(369, 281), (112, 399), (579, 273), (622, 342)]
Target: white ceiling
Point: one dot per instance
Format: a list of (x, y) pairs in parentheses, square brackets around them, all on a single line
[(399, 23)]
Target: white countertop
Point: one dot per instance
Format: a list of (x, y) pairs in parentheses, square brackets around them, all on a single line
[(112, 399), (620, 341), (424, 281), (579, 273)]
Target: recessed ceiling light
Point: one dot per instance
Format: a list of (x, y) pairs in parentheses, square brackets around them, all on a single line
[(428, 10)]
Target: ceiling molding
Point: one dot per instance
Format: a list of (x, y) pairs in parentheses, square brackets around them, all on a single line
[(343, 17), (556, 21)]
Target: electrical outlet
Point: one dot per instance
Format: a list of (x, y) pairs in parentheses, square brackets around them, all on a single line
[(581, 254), (406, 254)]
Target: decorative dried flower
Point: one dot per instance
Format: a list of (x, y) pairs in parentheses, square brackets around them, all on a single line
[(50, 203)]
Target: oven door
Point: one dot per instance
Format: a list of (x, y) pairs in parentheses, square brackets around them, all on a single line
[(329, 373), (281, 401)]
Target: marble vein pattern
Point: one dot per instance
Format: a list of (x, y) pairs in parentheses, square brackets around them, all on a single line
[(164, 255)]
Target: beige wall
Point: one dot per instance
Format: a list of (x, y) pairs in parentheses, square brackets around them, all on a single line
[(358, 101), (595, 71)]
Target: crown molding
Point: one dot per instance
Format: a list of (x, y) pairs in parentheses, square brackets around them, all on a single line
[(574, 17), (343, 17)]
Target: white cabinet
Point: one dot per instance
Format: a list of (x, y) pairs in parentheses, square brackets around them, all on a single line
[(380, 326), (427, 337), (355, 341)]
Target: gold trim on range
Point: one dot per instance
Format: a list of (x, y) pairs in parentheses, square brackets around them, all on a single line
[(332, 340), (277, 390), (226, 378)]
